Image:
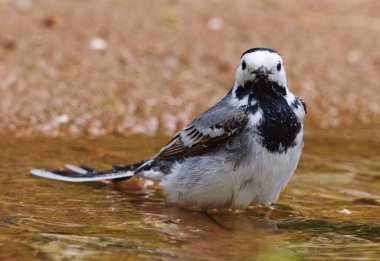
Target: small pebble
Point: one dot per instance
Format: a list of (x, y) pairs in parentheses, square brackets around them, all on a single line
[(64, 118), (215, 23), (345, 211), (98, 44)]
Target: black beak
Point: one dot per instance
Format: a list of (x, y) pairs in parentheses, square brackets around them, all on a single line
[(261, 72)]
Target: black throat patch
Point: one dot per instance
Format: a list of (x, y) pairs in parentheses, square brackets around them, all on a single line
[(279, 126)]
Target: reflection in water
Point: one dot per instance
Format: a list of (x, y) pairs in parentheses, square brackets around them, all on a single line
[(48, 219)]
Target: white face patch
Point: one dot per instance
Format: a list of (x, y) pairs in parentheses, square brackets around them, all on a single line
[(270, 61)]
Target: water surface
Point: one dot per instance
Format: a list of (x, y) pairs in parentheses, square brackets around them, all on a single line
[(329, 210)]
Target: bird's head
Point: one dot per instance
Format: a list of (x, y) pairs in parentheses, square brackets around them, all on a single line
[(260, 69)]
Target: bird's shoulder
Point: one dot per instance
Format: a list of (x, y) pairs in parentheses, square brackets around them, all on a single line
[(299, 108)]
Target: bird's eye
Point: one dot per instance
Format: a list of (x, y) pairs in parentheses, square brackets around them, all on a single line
[(279, 66), (243, 65)]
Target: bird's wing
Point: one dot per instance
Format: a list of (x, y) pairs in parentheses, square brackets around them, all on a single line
[(208, 132)]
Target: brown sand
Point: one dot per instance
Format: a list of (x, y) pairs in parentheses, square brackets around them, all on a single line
[(166, 61)]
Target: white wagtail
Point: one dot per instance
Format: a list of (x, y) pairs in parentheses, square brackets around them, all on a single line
[(241, 151)]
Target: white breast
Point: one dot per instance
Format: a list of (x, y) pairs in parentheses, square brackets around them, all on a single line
[(265, 174)]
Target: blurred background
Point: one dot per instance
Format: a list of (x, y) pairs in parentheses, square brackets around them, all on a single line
[(78, 67)]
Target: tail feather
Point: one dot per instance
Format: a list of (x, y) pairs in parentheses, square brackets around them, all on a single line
[(151, 169), (87, 168), (76, 170), (87, 174)]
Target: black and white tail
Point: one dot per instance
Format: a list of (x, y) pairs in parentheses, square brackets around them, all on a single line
[(87, 174)]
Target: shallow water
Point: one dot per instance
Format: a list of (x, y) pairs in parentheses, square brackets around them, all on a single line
[(329, 210)]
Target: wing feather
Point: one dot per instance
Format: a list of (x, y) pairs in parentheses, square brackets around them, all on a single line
[(197, 140)]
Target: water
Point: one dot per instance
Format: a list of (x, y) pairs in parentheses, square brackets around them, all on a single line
[(329, 210)]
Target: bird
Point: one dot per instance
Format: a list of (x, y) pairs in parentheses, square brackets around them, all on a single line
[(240, 152)]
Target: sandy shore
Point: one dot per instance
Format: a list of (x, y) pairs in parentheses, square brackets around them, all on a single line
[(98, 67)]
